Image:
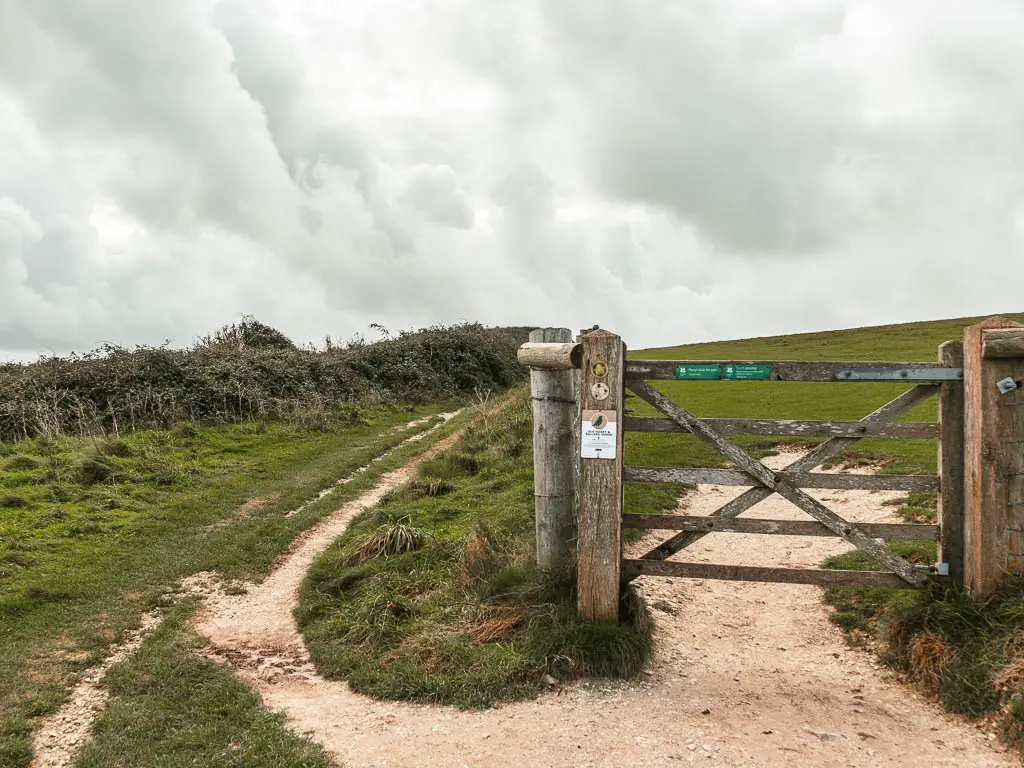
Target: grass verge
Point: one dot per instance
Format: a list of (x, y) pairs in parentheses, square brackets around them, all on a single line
[(434, 596), (967, 653), (173, 708), (69, 590)]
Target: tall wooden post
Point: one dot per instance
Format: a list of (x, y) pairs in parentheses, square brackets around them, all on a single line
[(554, 470), (601, 462), (951, 465), (993, 455)]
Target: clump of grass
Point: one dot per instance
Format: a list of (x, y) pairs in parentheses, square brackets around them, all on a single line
[(12, 502), (468, 620), (389, 541), (114, 447), (95, 469), (917, 507), (432, 488), (21, 463)]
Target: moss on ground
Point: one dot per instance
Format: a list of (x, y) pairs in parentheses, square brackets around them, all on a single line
[(461, 615)]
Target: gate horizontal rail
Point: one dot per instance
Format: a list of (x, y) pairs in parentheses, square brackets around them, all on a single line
[(709, 524), (798, 370), (824, 578), (695, 475), (915, 430)]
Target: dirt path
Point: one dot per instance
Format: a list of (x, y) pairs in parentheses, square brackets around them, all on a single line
[(59, 737), (744, 675)]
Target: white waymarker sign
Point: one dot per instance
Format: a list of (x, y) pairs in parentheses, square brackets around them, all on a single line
[(597, 435)]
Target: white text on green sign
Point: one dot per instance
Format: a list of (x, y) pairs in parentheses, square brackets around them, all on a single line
[(698, 372), (758, 372)]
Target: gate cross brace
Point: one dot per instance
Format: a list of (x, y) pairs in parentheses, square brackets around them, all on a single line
[(751, 497), (771, 481)]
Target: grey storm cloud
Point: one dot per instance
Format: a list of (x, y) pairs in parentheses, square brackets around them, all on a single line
[(672, 171)]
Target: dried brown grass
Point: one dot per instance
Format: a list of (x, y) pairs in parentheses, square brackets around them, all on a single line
[(488, 623), (258, 503), (479, 558), (930, 656)]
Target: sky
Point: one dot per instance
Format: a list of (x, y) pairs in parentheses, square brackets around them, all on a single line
[(671, 171)]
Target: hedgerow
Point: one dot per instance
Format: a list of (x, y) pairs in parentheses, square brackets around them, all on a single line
[(247, 370)]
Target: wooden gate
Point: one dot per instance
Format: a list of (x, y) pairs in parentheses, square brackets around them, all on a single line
[(606, 375), (979, 383)]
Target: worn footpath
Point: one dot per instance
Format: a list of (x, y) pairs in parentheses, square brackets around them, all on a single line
[(744, 675)]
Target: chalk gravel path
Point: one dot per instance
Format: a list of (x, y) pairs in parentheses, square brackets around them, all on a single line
[(744, 674)]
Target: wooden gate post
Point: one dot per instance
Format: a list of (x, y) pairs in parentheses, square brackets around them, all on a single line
[(601, 462), (951, 465), (993, 454), (553, 392)]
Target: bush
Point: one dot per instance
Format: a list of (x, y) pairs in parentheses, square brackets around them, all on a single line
[(248, 370)]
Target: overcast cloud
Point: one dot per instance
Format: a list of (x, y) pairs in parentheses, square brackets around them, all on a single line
[(672, 171)]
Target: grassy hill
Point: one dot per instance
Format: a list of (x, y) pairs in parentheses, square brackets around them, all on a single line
[(798, 400), (905, 341)]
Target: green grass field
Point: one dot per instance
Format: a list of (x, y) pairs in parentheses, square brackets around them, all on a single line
[(797, 400), (93, 532)]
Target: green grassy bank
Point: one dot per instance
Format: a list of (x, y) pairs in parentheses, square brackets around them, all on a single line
[(434, 595), (94, 531)]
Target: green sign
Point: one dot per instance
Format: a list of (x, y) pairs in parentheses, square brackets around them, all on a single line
[(749, 372), (698, 372)]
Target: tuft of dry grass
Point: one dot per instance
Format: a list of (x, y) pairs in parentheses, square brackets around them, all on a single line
[(929, 657), (487, 623), (479, 557), (432, 489), (389, 541), (259, 502)]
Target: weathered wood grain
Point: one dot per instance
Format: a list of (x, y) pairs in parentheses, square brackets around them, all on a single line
[(916, 430), (999, 343), (713, 524), (783, 487), (990, 420), (951, 465), (555, 356), (782, 370), (823, 578), (554, 473), (827, 450), (917, 483), (600, 495)]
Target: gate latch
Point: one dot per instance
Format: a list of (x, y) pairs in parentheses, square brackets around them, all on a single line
[(1009, 384)]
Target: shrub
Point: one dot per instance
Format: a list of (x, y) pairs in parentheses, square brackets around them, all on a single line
[(248, 370)]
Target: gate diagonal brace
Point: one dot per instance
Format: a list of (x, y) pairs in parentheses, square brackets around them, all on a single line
[(770, 480), (753, 496)]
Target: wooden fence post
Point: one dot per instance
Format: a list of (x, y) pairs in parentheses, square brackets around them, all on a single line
[(951, 465), (993, 455), (601, 462), (553, 392)]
